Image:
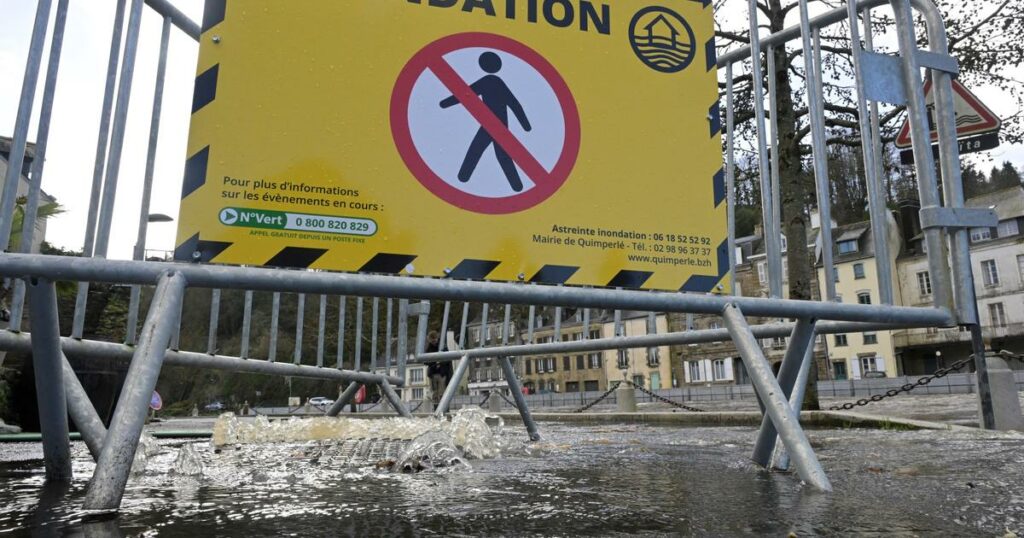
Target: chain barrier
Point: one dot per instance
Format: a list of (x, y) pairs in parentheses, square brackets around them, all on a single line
[(506, 398), (955, 367), (413, 410), (662, 398), (484, 401), (597, 400)]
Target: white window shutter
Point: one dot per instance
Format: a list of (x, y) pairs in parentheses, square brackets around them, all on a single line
[(880, 363), (855, 366), (728, 369), (706, 370), (686, 372)]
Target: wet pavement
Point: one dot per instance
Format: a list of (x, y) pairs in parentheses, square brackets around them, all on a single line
[(580, 480)]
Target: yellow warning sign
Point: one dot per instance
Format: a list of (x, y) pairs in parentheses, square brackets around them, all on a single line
[(554, 141)]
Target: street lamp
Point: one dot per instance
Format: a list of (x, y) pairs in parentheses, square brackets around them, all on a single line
[(158, 217)]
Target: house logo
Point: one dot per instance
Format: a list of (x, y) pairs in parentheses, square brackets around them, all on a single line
[(662, 39)]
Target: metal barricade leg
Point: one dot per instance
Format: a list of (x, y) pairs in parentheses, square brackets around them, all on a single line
[(453, 386), (780, 459), (107, 485), (344, 399), (799, 342), (776, 406), (394, 400), (46, 359), (82, 411), (517, 394)]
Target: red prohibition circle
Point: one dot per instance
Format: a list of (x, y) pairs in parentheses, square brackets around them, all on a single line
[(401, 101)]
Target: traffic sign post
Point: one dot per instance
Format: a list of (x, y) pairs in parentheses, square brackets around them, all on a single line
[(558, 146)]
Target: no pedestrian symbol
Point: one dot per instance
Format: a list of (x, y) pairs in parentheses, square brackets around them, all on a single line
[(485, 123)]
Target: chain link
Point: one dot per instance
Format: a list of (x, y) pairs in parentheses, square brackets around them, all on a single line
[(413, 410), (506, 398), (663, 399), (955, 367), (488, 397), (598, 400)]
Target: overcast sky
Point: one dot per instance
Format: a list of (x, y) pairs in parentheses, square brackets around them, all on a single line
[(72, 144)]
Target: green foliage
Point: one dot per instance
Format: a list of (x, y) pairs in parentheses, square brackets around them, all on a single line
[(44, 212)]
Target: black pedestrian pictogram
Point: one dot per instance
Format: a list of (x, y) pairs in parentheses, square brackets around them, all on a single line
[(499, 99)]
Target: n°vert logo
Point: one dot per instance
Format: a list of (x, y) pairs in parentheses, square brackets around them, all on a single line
[(662, 39)]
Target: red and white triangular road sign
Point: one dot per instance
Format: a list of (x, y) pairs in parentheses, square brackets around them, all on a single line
[(972, 116)]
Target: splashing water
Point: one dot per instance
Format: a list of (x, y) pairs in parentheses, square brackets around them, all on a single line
[(188, 462), (147, 448)]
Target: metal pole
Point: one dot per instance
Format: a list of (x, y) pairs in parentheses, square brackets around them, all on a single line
[(730, 178), (82, 411), (776, 198), (300, 315), (344, 399), (274, 315), (394, 400), (19, 140), (99, 163), (147, 183), (387, 333), (124, 93), (28, 221), (359, 334), (246, 325), (530, 329), (776, 406), (517, 394), (320, 333), (211, 339), (465, 323), (772, 246), (796, 400), (872, 166), (374, 316), (443, 342), (453, 386), (403, 336), (801, 339), (816, 105), (422, 321), (481, 338), (341, 331), (49, 379), (107, 485), (586, 323), (558, 324)]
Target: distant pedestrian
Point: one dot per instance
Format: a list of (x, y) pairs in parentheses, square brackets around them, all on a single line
[(440, 373)]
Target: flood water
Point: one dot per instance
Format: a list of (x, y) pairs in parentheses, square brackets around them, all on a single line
[(580, 480)]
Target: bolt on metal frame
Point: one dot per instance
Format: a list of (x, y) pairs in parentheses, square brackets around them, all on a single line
[(943, 218)]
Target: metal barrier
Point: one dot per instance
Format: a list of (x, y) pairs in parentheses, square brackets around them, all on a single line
[(943, 219)]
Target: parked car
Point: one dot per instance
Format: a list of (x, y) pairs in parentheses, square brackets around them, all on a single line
[(873, 375), (320, 401), (214, 406)]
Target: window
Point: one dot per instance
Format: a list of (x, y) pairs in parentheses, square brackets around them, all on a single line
[(566, 363), (868, 364), (694, 368), (595, 335), (835, 274), (572, 386), (870, 339), (416, 375), (858, 271), (778, 342), (980, 234), (990, 273), (529, 369), (718, 369), (590, 386), (841, 340), (997, 314), (715, 325), (595, 360), (579, 362), (1020, 267), (623, 359), (417, 394), (864, 297), (638, 380), (762, 276), (1008, 228), (785, 244), (848, 247), (551, 365), (652, 356), (924, 283)]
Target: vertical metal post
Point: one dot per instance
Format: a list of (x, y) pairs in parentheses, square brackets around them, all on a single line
[(124, 93), (344, 399), (586, 324), (423, 319), (776, 406), (796, 401), (28, 221), (320, 333), (300, 315), (800, 340), (558, 324), (147, 183), (730, 173), (19, 140), (211, 339), (872, 165), (393, 399), (176, 331), (482, 337), (403, 335), (359, 335), (374, 315), (517, 394), (111, 474), (927, 183), (275, 312), (387, 333), (506, 324), (772, 247), (246, 325), (773, 154), (81, 299), (341, 331), (443, 342), (47, 360), (465, 323), (533, 323), (453, 386), (82, 412)]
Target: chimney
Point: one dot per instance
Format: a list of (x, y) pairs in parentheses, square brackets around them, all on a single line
[(909, 218)]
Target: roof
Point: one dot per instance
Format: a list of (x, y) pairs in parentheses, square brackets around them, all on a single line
[(856, 231), (1008, 203)]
